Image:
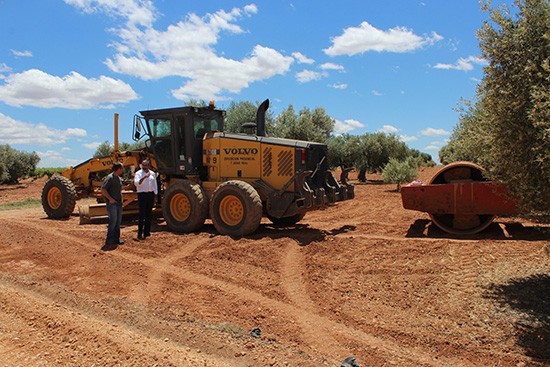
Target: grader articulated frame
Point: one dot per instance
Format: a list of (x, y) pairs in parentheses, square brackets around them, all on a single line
[(60, 193)]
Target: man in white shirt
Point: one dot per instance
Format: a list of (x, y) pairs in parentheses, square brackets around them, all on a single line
[(146, 184)]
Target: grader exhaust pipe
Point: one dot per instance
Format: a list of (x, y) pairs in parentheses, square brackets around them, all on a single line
[(459, 199)]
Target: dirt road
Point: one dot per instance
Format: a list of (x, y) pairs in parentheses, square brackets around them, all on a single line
[(363, 278)]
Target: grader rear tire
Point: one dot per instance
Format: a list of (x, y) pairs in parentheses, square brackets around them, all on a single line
[(185, 206), (236, 208), (58, 197), (460, 224)]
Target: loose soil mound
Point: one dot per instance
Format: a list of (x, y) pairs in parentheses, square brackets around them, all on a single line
[(364, 278)]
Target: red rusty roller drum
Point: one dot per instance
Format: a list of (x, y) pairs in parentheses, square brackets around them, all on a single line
[(459, 199)]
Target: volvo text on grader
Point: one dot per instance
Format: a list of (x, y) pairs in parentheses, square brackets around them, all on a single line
[(232, 178)]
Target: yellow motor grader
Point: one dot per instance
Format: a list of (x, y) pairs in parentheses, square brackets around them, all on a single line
[(60, 193), (232, 178)]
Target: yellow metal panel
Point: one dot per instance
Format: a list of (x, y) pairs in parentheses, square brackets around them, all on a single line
[(239, 158), (247, 160), (278, 165), (211, 157)]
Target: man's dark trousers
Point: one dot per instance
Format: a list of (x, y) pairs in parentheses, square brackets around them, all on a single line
[(146, 201)]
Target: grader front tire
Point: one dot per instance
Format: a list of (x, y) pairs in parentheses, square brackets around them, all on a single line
[(58, 197), (185, 206), (236, 208)]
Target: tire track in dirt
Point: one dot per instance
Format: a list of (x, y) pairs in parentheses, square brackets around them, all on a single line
[(37, 228), (153, 283), (394, 351), (291, 267), (403, 238), (462, 266), (43, 326)]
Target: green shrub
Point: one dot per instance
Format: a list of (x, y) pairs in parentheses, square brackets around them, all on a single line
[(15, 164), (400, 172), (47, 171)]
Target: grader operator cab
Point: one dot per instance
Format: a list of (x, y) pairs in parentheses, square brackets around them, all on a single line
[(232, 178)]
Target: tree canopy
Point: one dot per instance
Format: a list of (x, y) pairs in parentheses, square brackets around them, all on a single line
[(104, 149), (371, 152), (507, 129), (15, 164), (239, 113), (307, 125)]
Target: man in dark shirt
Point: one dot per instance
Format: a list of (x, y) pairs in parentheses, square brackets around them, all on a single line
[(112, 192)]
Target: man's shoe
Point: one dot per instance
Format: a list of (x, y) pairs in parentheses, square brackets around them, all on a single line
[(109, 247), (147, 235), (140, 237), (120, 242)]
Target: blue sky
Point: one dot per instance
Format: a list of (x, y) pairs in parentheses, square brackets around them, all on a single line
[(66, 66)]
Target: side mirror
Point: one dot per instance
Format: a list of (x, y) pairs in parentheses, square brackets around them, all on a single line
[(137, 128)]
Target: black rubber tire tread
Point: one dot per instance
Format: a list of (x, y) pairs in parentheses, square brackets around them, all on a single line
[(286, 221), (252, 204), (198, 203), (68, 197)]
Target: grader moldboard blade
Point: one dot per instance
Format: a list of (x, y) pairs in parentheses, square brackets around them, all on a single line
[(459, 199), (89, 213)]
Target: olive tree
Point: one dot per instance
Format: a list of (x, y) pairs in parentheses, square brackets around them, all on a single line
[(105, 148), (307, 125), (508, 129), (239, 113), (400, 172), (16, 164)]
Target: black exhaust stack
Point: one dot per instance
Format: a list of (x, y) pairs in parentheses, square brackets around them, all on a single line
[(260, 118)]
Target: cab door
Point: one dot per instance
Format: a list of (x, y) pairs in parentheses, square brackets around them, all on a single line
[(162, 143)]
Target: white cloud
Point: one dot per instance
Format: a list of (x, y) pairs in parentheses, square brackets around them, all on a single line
[(74, 91), (407, 138), (341, 127), (339, 85), (388, 129), (92, 145), (434, 132), (4, 69), (302, 59), (432, 147), (376, 93), (17, 132), (137, 12), (186, 49), (364, 38), (56, 158), (464, 64), (25, 53), (309, 75), (331, 66)]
